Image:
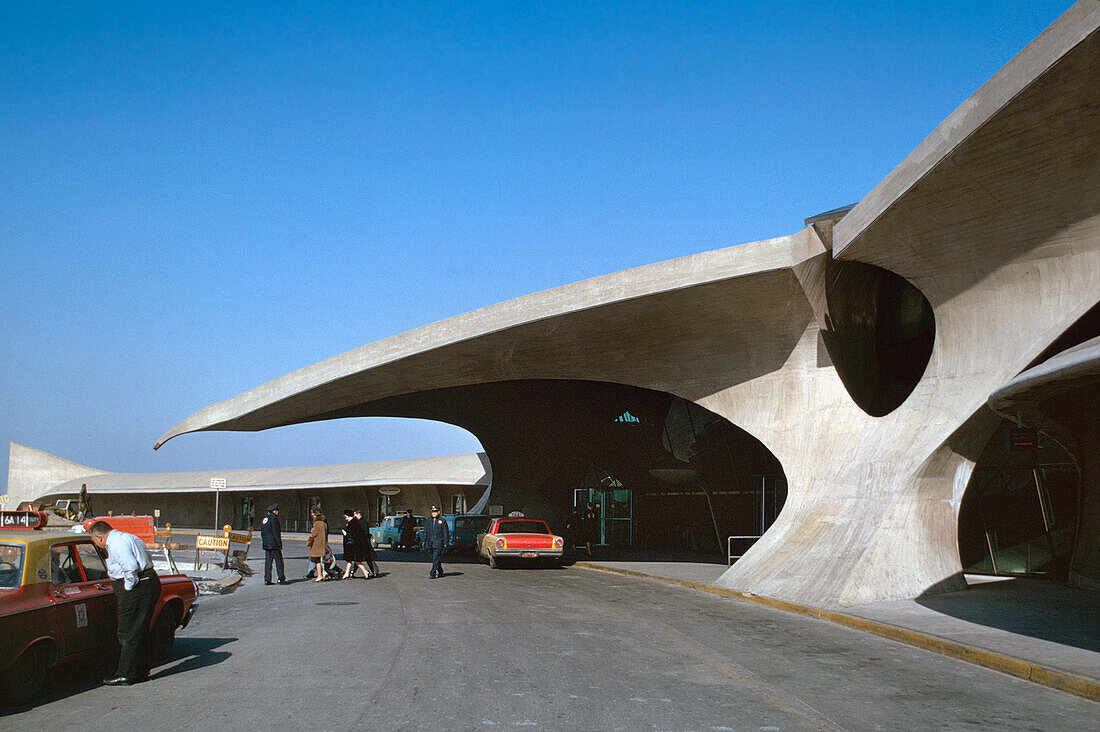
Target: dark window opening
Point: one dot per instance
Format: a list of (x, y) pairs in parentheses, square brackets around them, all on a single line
[(879, 334)]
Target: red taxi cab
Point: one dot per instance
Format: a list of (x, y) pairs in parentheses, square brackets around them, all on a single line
[(56, 603), (518, 538)]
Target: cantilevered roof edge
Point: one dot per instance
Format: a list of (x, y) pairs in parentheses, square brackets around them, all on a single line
[(676, 274), (1068, 31)]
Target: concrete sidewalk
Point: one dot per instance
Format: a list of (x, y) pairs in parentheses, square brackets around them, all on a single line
[(1041, 631)]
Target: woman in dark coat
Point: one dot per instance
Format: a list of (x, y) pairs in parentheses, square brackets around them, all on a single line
[(355, 545), (370, 556)]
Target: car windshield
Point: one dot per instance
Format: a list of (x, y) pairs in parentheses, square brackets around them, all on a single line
[(522, 527), (11, 566)]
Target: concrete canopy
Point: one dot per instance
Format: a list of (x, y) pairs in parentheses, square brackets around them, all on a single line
[(37, 475), (600, 330), (995, 218), (457, 470)]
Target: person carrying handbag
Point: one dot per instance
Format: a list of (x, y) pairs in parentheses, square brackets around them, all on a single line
[(317, 541), (355, 545)]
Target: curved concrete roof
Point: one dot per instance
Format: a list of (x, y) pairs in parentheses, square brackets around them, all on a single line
[(471, 469), (995, 217), (1073, 369), (664, 326), (1010, 174)]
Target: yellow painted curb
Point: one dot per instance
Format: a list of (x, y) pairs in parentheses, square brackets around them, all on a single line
[(1077, 685)]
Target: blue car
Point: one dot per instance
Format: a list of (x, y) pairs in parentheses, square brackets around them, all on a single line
[(389, 531), (464, 530)]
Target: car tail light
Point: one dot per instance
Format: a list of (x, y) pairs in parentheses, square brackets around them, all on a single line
[(559, 543), (500, 543)]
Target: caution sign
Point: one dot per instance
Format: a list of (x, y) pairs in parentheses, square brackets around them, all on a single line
[(218, 543), (240, 538)]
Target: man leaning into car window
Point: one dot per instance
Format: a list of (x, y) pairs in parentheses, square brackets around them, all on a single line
[(137, 587)]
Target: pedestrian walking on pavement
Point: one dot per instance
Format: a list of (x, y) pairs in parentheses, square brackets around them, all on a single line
[(271, 534), (317, 543), (437, 535), (371, 555), (137, 588), (590, 526), (354, 540), (406, 531)]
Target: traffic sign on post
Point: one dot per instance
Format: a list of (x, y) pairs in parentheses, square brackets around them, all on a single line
[(216, 485)]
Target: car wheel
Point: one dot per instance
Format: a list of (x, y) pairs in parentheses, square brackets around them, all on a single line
[(163, 635), (373, 543), (22, 682)]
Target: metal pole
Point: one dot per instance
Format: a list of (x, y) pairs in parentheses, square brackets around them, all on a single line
[(713, 518), (763, 490), (217, 497)]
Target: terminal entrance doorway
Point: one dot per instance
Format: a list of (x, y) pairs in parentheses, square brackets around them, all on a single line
[(666, 474), (615, 510)]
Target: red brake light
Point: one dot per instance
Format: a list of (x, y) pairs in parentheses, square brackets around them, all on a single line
[(500, 543), (558, 543)]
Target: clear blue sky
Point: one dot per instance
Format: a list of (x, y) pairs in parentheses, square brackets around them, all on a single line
[(196, 198)]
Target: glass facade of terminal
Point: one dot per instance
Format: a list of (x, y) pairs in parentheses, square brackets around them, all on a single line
[(680, 478), (1019, 513)]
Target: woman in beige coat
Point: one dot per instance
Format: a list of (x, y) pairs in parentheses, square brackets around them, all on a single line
[(318, 538)]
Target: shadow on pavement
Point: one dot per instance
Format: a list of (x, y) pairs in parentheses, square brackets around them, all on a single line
[(392, 555), (1045, 610), (71, 678), (642, 555), (199, 653)]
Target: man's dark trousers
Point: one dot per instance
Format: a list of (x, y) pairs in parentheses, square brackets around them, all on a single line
[(135, 611), (437, 559), (275, 555)]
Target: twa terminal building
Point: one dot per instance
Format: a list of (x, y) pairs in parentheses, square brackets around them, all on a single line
[(905, 390)]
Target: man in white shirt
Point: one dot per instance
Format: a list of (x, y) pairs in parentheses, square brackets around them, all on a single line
[(137, 588)]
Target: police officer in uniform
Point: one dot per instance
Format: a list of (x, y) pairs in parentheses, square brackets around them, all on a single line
[(436, 537), (271, 532)]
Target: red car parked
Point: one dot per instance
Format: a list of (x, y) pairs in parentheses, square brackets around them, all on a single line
[(519, 538)]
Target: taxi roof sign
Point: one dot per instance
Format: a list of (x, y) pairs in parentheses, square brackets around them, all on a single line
[(23, 519)]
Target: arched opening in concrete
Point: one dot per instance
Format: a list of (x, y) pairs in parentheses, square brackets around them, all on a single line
[(880, 331), (1019, 513), (667, 473)]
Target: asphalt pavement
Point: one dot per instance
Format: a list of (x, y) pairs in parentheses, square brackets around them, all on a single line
[(564, 648), (1043, 631)]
